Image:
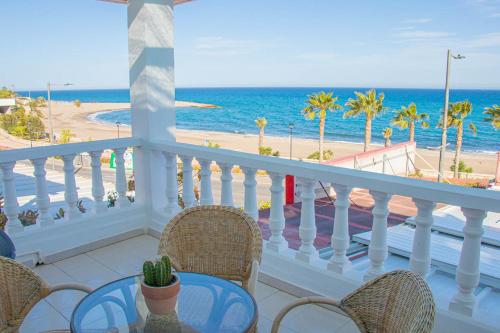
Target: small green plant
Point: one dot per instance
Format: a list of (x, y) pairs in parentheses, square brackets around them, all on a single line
[(159, 273), (264, 204), (276, 153), (28, 217), (462, 167), (77, 103), (327, 155), (212, 144), (60, 213), (268, 151), (416, 174)]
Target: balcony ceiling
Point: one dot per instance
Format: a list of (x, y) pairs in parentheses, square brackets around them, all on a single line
[(176, 2)]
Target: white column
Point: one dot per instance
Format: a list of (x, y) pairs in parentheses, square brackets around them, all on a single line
[(420, 258), (42, 193), (172, 191), (70, 193), (187, 182), (377, 250), (226, 178), (277, 242), (98, 192), (467, 275), (206, 197), (251, 193), (152, 92), (307, 229), (10, 199), (121, 178), (340, 236)]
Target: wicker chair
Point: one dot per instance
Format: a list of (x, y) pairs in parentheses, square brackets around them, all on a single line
[(398, 301), (215, 240), (20, 290)]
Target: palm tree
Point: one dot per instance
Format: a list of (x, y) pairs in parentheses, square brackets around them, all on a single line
[(317, 105), (370, 105), (457, 113), (387, 133), (493, 114), (261, 124), (408, 117)]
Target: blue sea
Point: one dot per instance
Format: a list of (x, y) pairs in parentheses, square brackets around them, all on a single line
[(239, 107)]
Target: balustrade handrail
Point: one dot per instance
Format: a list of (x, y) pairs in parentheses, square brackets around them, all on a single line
[(64, 149), (415, 188)]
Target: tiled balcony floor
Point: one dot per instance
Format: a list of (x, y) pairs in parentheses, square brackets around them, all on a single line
[(122, 259)]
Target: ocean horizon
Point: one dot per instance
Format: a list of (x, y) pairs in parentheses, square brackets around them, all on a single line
[(239, 107)]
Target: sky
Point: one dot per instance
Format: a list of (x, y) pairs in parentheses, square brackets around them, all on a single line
[(226, 43)]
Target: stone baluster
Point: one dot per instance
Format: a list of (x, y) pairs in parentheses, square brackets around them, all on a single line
[(121, 178), (251, 193), (187, 182), (377, 250), (70, 191), (10, 198), (98, 191), (171, 188), (307, 230), (467, 275), (226, 178), (206, 183), (42, 193), (420, 258), (277, 242), (340, 236)]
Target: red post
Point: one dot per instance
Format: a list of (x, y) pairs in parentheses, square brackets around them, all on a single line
[(497, 174), (289, 189)]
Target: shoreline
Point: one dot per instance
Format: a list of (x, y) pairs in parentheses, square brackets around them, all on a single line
[(68, 116)]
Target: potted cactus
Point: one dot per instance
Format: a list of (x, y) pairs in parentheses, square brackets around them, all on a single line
[(160, 286)]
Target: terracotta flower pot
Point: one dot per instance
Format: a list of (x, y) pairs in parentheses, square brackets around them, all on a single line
[(161, 300)]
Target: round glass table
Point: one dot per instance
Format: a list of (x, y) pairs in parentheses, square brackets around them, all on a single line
[(205, 304)]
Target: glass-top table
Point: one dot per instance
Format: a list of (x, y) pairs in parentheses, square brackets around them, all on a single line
[(205, 304)]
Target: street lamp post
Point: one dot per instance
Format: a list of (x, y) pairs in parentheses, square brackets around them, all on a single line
[(444, 122), (118, 128), (49, 108), (291, 126)]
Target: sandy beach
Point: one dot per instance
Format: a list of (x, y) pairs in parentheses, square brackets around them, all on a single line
[(67, 116)]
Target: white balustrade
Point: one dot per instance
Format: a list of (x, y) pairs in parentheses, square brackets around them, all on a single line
[(307, 230), (250, 184), (467, 275), (121, 178), (70, 192), (172, 192), (187, 182), (10, 200), (206, 197), (277, 242), (420, 258), (42, 193), (377, 250), (226, 178), (98, 191), (340, 236)]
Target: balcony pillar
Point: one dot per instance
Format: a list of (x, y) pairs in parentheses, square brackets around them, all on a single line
[(98, 191), (172, 192), (340, 236), (10, 198), (152, 92), (70, 191), (467, 275), (206, 196), (420, 258), (226, 179), (377, 250), (187, 182), (121, 178), (251, 193), (277, 242), (42, 193), (307, 230)]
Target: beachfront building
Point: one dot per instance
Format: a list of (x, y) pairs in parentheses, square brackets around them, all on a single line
[(103, 243)]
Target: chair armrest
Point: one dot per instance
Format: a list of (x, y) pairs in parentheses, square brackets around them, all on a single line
[(70, 286), (299, 302), (252, 280)]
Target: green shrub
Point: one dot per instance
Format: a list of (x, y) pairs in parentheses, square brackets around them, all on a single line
[(265, 151), (327, 155), (77, 103), (264, 204), (212, 144), (461, 167)]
